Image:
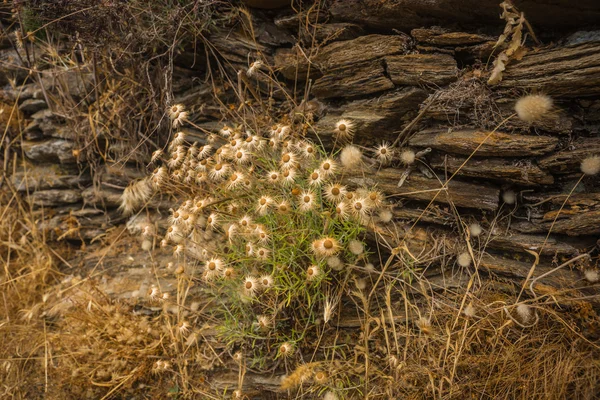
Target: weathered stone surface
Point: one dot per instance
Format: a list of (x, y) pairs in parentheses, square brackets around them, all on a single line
[(40, 177), (102, 197), (50, 150), (495, 144), (293, 65), (326, 33), (55, 197), (361, 49), (519, 242), (352, 81), (569, 71), (236, 47), (75, 82), (78, 224), (375, 119), (409, 14), (13, 65), (443, 37), (521, 172), (421, 69), (32, 105), (418, 187), (580, 215), (569, 160)]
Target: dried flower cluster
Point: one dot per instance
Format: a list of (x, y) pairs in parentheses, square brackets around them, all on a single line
[(264, 216)]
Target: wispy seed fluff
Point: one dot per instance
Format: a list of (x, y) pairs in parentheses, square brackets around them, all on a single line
[(591, 165), (534, 107), (135, 195), (351, 156)]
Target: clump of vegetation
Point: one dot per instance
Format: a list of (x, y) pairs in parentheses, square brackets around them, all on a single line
[(266, 226)]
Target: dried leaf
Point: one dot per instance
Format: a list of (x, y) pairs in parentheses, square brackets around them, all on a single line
[(499, 67)]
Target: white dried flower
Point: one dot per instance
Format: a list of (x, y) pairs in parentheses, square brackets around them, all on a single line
[(344, 129)]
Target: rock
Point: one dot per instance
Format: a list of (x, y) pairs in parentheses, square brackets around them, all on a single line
[(569, 71), (569, 160), (495, 144), (50, 150), (519, 242), (41, 177), (22, 92), (522, 172), (102, 197), (364, 48), (14, 66), (237, 48), (55, 197), (410, 14), (266, 4), (443, 37), (376, 119), (75, 82), (418, 187), (352, 81), (31, 106), (421, 69), (293, 65), (327, 33)]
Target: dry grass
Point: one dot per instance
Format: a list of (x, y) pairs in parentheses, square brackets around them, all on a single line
[(395, 332)]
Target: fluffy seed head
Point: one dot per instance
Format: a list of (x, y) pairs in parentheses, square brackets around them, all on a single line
[(591, 165), (464, 259), (591, 275), (475, 229), (335, 263), (469, 311), (533, 108), (407, 157), (524, 312), (356, 247), (351, 156), (385, 215), (509, 197)]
